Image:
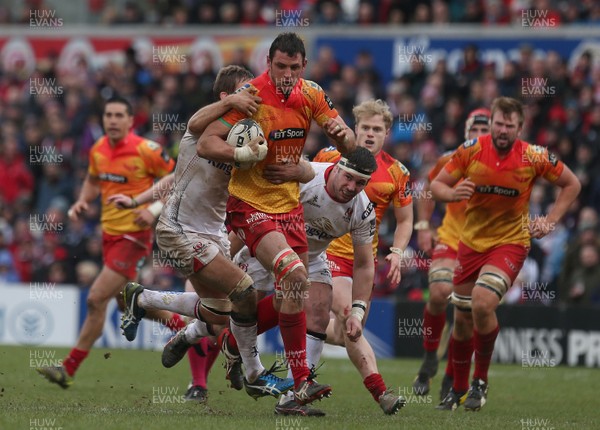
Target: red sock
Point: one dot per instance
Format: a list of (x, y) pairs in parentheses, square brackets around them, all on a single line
[(268, 317), (449, 368), (211, 356), (484, 348), (375, 385), (433, 325), (175, 323), (461, 361), (198, 362), (293, 333), (74, 359)]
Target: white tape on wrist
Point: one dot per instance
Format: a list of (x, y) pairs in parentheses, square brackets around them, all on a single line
[(156, 208), (359, 308)]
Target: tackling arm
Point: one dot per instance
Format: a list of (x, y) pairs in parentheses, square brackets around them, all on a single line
[(242, 102)]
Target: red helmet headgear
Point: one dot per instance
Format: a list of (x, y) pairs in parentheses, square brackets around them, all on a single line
[(478, 116)]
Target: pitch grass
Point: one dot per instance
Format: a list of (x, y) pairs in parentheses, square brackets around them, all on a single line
[(131, 390)]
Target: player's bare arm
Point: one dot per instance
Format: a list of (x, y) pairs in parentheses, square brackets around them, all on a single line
[(243, 101), (158, 191), (569, 190), (90, 190), (342, 135), (442, 188), (280, 173), (404, 227), (362, 285), (212, 146)]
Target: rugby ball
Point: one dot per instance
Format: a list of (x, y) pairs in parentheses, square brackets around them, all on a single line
[(241, 134)]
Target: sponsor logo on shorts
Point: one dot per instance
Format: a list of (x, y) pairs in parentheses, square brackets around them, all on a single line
[(333, 266), (123, 265), (440, 247), (510, 264), (200, 248), (257, 218)]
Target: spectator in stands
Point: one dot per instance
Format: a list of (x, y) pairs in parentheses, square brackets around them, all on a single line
[(583, 286), (587, 235), (15, 177)]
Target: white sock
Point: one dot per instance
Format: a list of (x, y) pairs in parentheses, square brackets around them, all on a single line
[(196, 330), (286, 397), (314, 349), (181, 303), (246, 340)]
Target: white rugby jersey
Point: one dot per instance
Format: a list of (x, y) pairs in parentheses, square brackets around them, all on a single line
[(199, 197), (326, 219)]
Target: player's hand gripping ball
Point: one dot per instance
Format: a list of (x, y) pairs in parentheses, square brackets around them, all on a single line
[(249, 141)]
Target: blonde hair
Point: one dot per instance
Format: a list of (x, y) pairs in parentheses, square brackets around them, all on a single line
[(371, 108)]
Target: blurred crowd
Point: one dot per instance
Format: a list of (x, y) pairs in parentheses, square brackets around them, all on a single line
[(51, 119), (325, 12)]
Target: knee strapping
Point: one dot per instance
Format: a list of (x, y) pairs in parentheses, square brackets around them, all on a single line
[(440, 275), (243, 288), (492, 282), (284, 263), (243, 320), (462, 303), (220, 307)]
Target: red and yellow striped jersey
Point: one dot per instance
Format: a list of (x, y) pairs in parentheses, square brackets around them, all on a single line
[(285, 123), (129, 168), (454, 218), (498, 211), (389, 184)]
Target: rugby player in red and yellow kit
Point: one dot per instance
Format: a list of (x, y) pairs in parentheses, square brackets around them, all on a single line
[(443, 262), (120, 162), (267, 215), (388, 185), (498, 173)]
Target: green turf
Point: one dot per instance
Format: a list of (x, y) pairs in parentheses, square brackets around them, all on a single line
[(131, 390)]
